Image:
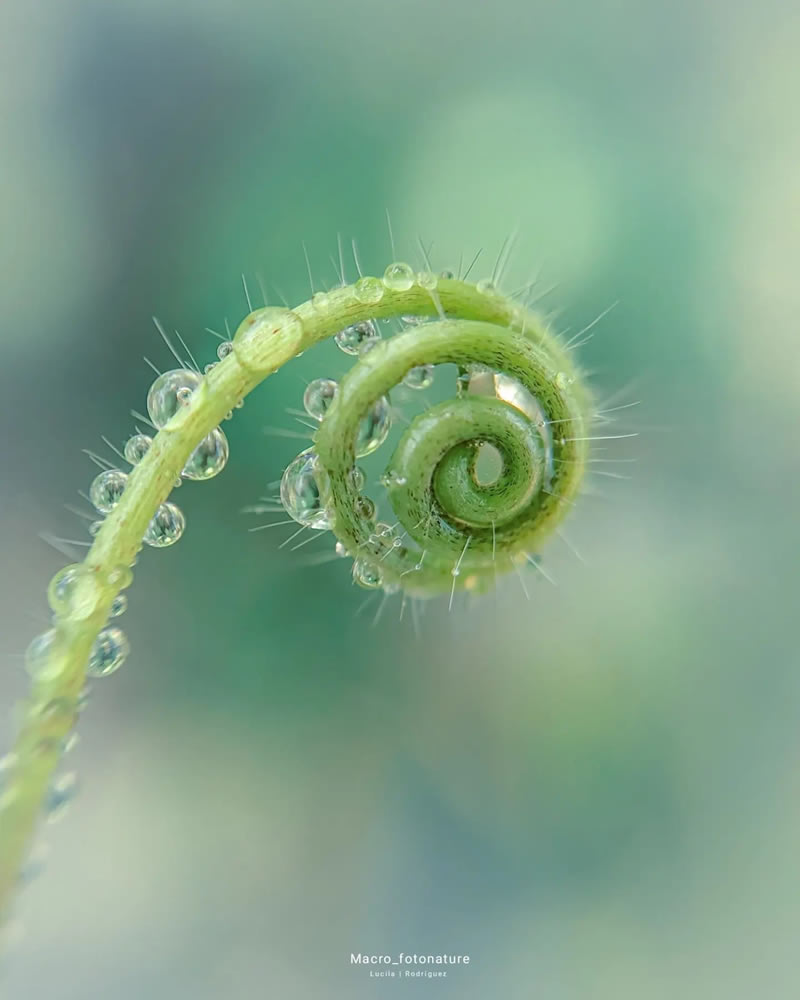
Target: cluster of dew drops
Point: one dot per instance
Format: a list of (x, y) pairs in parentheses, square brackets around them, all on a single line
[(72, 591), (299, 490)]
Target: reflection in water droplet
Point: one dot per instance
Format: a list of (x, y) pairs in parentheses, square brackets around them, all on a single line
[(74, 591), (254, 340), (420, 377), (40, 651), (374, 428), (366, 575), (166, 527), (399, 277), (368, 290), (136, 447), (318, 397), (109, 652), (209, 458), (353, 338), (118, 606), (300, 493), (365, 508), (169, 392), (107, 489)]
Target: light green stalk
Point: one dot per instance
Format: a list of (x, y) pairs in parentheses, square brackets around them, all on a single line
[(480, 327)]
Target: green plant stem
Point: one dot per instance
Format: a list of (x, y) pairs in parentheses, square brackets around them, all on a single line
[(265, 341)]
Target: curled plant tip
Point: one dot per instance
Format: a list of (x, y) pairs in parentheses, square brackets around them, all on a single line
[(514, 389), (517, 391)]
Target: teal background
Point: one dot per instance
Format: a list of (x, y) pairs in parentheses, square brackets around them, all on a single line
[(593, 792)]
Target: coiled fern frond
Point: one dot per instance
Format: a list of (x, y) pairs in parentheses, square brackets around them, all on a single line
[(514, 388)]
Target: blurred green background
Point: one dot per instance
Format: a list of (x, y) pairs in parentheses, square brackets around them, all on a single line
[(593, 793)]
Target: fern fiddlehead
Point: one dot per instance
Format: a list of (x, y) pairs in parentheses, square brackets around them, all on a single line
[(517, 389)]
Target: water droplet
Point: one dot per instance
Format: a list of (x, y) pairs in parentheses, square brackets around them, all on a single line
[(74, 591), (209, 457), (321, 302), (399, 277), (353, 338), (368, 290), (365, 508), (62, 791), (374, 428), (94, 528), (366, 575), (357, 477), (384, 530), (427, 280), (210, 367), (169, 393), (447, 274), (563, 381), (40, 654), (420, 377), (109, 652), (340, 550), (136, 447), (107, 489), (254, 341), (513, 392), (224, 349), (391, 479), (118, 606), (486, 287), (166, 527), (300, 493), (318, 397)]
